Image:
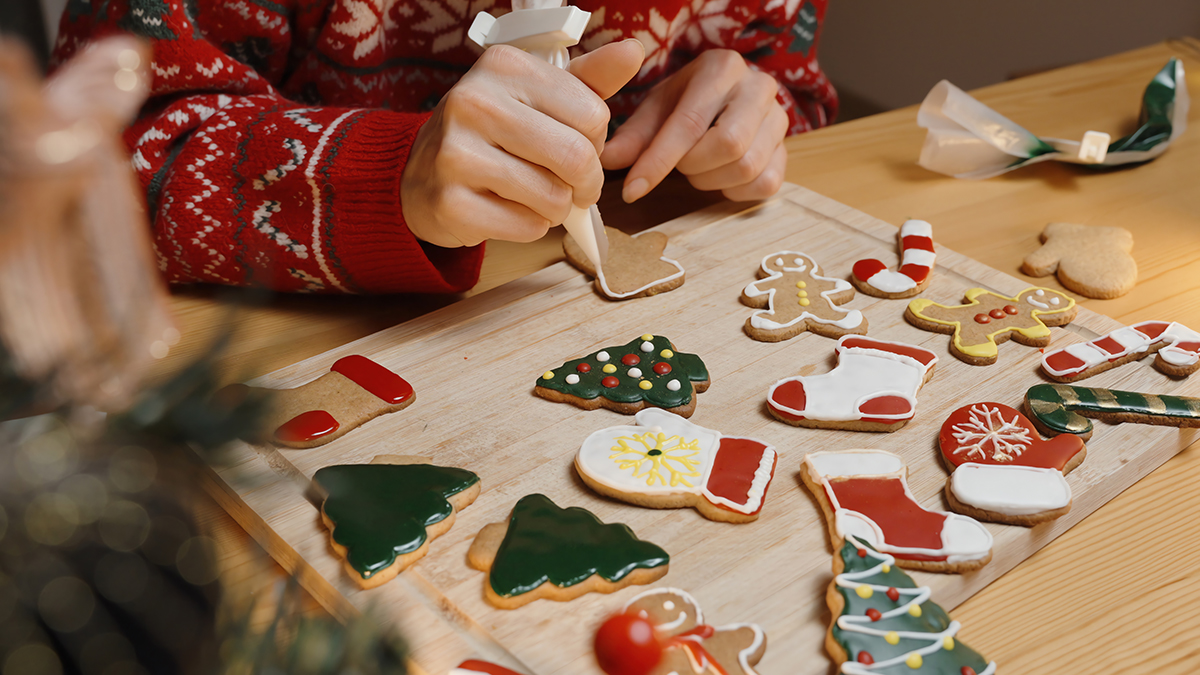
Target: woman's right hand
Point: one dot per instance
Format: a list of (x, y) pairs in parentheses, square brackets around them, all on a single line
[(513, 146)]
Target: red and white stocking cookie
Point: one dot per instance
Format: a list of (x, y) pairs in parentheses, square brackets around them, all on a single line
[(797, 299), (916, 265), (865, 493), (1177, 350), (873, 388), (1002, 470), (666, 462)]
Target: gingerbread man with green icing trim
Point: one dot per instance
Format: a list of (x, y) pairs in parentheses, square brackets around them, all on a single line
[(797, 299), (988, 319)]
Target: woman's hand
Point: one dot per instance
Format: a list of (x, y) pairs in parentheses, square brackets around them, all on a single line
[(512, 146), (741, 153)]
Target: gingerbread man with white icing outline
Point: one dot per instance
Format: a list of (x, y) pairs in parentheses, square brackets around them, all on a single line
[(797, 299), (689, 645)]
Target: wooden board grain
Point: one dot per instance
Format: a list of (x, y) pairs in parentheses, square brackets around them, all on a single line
[(474, 364)]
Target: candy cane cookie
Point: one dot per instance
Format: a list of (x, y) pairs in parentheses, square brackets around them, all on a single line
[(1176, 347), (917, 256), (1063, 409)]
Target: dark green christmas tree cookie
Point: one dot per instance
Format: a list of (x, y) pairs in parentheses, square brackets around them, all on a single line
[(885, 623), (382, 516), (544, 551), (627, 378)]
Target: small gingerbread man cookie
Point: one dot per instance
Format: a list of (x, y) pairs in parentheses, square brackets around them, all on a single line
[(988, 319), (1090, 260), (635, 268), (797, 299)]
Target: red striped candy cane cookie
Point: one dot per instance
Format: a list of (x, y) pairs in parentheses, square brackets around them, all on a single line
[(916, 265), (1177, 348)]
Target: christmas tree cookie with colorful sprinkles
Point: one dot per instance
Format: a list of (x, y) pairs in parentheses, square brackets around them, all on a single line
[(885, 623), (545, 551), (381, 516), (646, 372)]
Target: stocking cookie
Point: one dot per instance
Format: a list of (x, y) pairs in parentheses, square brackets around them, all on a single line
[(545, 551), (627, 378), (873, 388), (353, 392), (666, 462), (1090, 260), (797, 299), (884, 623), (635, 267), (1177, 350), (1063, 409), (916, 265), (988, 319), (382, 516), (1002, 470), (864, 493), (685, 644)]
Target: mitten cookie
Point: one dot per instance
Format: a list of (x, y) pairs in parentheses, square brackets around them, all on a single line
[(989, 319), (873, 388), (1090, 260), (916, 265), (381, 516), (884, 623), (666, 462), (1002, 470), (627, 378), (635, 267), (685, 645), (1063, 409), (544, 551), (797, 299), (1177, 348), (865, 493), (353, 392)]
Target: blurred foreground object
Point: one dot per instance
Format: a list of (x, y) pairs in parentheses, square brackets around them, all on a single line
[(967, 139), (82, 307)]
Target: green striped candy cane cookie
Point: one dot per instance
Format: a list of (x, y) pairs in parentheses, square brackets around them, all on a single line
[(1063, 409)]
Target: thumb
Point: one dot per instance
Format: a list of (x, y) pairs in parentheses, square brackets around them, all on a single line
[(608, 68)]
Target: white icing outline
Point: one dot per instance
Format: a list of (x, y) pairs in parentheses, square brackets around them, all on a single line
[(888, 280), (620, 296), (743, 655), (853, 318)]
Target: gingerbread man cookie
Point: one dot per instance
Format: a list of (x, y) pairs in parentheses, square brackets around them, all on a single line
[(635, 268), (797, 299), (1090, 260), (988, 319)]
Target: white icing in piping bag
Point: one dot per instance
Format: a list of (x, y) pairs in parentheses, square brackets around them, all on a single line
[(545, 29)]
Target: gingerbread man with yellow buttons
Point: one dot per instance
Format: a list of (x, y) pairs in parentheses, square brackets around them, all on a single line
[(797, 299), (988, 319)]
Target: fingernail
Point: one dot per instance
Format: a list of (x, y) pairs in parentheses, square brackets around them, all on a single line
[(636, 189)]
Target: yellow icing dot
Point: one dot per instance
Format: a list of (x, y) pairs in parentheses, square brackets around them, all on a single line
[(886, 568), (948, 643), (647, 337), (915, 610), (548, 375), (609, 368), (804, 302), (913, 661), (892, 637), (801, 284), (666, 353), (645, 384), (864, 591)]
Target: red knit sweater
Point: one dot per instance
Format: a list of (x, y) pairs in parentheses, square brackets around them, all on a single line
[(273, 144)]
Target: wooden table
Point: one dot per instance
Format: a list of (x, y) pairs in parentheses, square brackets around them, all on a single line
[(1119, 592)]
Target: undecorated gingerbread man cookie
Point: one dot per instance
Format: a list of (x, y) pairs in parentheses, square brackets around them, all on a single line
[(635, 268), (798, 299), (1090, 260)]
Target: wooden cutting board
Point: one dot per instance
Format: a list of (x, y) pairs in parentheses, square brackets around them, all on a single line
[(474, 365)]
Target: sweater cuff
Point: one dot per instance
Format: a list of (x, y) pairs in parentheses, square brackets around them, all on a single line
[(379, 254)]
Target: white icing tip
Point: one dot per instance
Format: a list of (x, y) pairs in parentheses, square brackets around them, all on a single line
[(647, 347), (673, 385), (572, 379), (602, 357)]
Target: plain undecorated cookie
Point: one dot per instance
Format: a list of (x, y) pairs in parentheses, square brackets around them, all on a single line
[(1091, 260), (635, 268)]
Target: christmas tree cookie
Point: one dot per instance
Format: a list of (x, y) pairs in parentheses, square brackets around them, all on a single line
[(545, 551), (885, 623), (382, 516), (627, 378)]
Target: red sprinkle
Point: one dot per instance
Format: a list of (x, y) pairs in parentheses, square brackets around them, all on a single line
[(997, 313), (307, 426), (968, 670), (662, 368), (584, 368), (893, 595), (862, 552), (610, 382), (631, 359), (874, 614), (865, 657), (982, 318), (1010, 309)]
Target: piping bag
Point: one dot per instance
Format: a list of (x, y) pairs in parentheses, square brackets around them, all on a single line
[(545, 28), (967, 139)]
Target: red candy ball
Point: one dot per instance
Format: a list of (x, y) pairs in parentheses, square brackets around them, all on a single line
[(662, 368), (968, 670), (631, 359), (874, 614), (626, 645), (584, 368), (862, 552), (1010, 309), (996, 313), (893, 595), (610, 382), (865, 658), (982, 318)]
